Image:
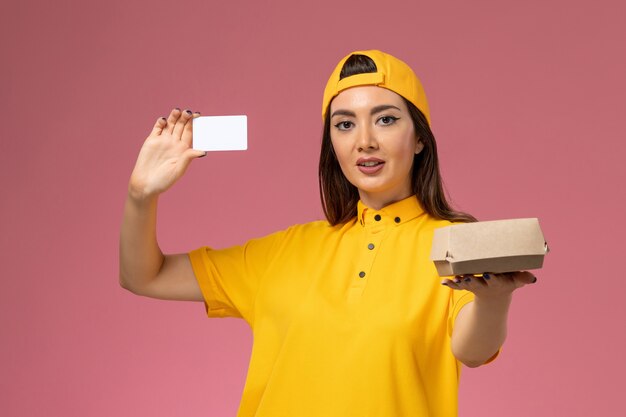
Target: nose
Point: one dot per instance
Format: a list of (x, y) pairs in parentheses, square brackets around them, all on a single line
[(366, 138)]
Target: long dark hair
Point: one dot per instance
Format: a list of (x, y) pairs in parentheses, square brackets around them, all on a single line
[(340, 198)]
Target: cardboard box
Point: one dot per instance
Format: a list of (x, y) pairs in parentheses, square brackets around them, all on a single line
[(492, 246)]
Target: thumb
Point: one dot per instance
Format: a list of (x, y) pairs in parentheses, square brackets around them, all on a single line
[(524, 277), (193, 154)]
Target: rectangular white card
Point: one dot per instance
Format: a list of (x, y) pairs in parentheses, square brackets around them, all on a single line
[(220, 133)]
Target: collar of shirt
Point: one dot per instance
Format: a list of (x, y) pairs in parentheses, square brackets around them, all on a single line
[(395, 214)]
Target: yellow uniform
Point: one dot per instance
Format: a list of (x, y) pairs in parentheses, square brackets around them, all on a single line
[(350, 320)]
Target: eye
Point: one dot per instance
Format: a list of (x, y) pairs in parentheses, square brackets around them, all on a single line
[(388, 120), (345, 125)]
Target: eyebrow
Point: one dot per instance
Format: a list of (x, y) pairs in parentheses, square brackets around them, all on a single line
[(377, 109)]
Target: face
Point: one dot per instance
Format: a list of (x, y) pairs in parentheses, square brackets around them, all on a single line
[(374, 139)]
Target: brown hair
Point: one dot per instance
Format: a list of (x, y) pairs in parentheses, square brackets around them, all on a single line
[(340, 197)]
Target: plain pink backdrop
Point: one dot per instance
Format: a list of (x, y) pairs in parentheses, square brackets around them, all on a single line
[(528, 105)]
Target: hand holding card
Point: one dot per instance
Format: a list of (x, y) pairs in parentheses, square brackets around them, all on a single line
[(220, 133)]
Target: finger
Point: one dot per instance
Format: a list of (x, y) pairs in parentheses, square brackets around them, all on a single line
[(458, 282), (180, 124), (523, 278), (471, 283), (451, 284), (171, 120), (187, 137), (158, 126), (191, 154), (502, 278)]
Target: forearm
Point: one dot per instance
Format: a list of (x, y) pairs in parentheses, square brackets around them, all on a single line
[(140, 255), (480, 329)]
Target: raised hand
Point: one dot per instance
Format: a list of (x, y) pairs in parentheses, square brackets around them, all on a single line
[(491, 285), (165, 155), (481, 326)]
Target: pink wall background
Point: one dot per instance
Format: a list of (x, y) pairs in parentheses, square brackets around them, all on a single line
[(528, 107)]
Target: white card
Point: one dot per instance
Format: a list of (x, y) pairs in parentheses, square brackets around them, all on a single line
[(220, 133)]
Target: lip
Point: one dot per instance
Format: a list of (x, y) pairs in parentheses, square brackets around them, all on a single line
[(370, 170)]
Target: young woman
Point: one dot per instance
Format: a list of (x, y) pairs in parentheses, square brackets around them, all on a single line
[(349, 315)]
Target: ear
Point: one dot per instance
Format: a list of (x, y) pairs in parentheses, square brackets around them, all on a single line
[(419, 146)]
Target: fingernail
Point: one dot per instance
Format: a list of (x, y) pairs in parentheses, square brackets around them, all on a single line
[(486, 276), (444, 283), (177, 108), (202, 156), (468, 279), (457, 281), (188, 111), (163, 118), (534, 279)]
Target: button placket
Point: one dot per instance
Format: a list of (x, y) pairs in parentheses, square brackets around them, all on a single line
[(373, 234), (369, 251)]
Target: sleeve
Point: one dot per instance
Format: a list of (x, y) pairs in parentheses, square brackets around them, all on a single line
[(458, 299), (229, 278)]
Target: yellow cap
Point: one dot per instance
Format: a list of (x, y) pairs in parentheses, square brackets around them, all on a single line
[(391, 74)]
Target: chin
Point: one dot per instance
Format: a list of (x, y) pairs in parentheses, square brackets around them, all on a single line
[(377, 186), (384, 189)]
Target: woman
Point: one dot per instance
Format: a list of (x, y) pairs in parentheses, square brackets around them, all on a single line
[(349, 316)]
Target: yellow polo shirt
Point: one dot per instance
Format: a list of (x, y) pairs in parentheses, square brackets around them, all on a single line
[(350, 320)]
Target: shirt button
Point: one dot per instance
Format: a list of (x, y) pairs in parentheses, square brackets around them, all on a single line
[(370, 246), (377, 217), (361, 274), (397, 220)]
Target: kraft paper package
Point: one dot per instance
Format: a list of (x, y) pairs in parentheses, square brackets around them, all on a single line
[(491, 246)]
